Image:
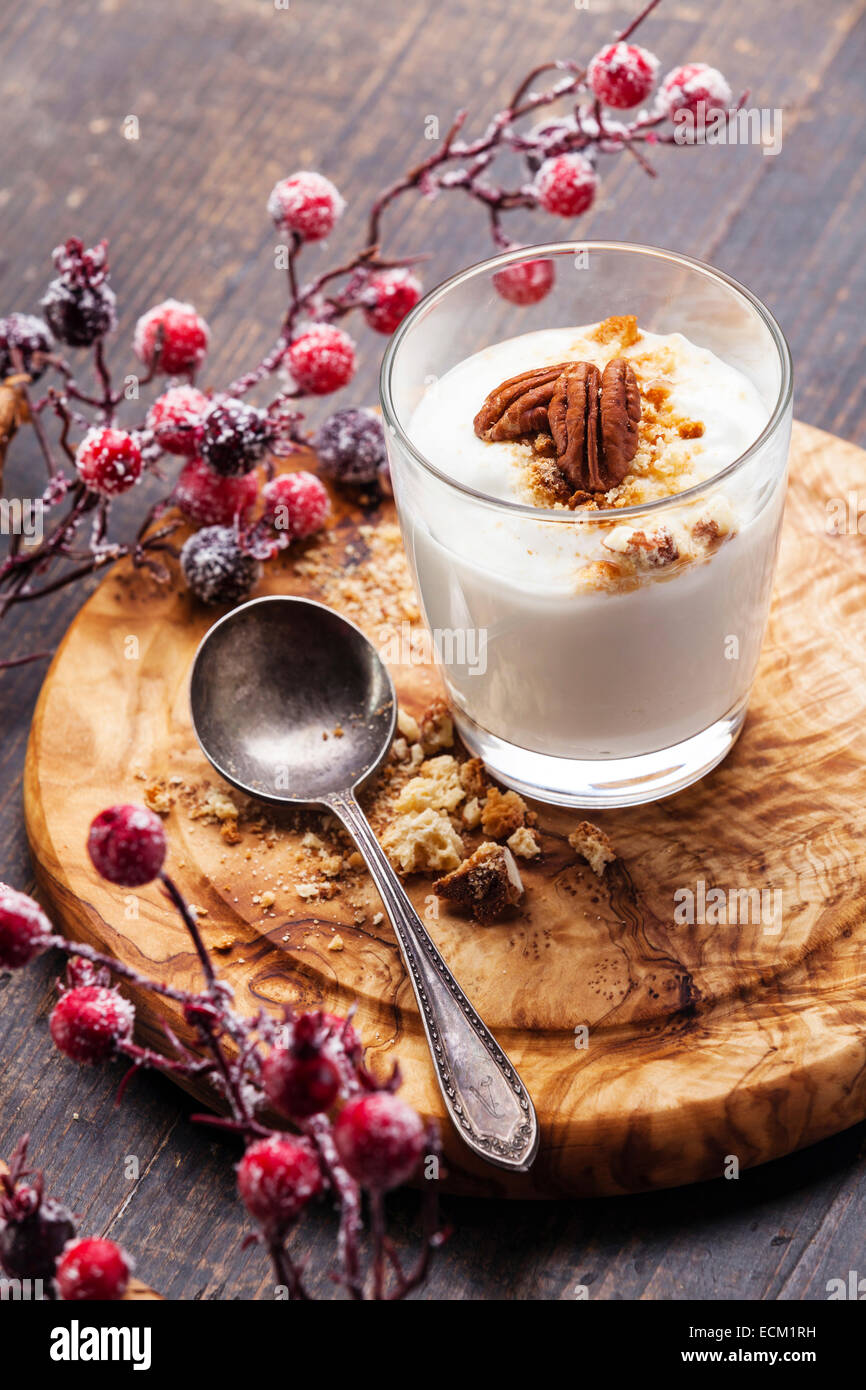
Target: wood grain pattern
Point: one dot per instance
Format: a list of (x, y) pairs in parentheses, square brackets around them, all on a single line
[(705, 1041)]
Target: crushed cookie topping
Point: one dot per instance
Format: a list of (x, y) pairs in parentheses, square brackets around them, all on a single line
[(591, 417)]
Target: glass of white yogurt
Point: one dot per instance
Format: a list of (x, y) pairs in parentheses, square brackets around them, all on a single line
[(598, 647)]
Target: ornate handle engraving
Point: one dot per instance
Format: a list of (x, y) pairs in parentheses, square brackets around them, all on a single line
[(483, 1093)]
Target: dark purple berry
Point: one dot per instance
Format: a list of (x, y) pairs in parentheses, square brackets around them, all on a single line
[(215, 567), (31, 337), (351, 446), (233, 436), (31, 1241), (80, 304)]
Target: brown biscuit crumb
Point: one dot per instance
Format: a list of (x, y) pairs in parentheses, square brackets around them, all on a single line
[(502, 814), (593, 845), (487, 883), (473, 778), (619, 328), (436, 729)]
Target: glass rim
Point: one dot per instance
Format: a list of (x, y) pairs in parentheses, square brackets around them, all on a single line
[(556, 248)]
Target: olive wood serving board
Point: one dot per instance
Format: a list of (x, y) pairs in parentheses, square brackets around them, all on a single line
[(705, 1044)]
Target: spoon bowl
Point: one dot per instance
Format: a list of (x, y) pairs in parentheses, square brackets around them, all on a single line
[(292, 705), (290, 701)]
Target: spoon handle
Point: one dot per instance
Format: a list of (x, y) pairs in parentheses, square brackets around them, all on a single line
[(483, 1093)]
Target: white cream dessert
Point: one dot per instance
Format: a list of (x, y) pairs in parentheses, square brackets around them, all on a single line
[(604, 639)]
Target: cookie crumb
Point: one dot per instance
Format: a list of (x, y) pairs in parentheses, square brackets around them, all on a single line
[(502, 814), (593, 845), (336, 943), (524, 842), (487, 883), (422, 840), (436, 729)]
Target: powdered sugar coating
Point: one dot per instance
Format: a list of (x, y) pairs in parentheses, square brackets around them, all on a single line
[(277, 1177), (79, 304), (622, 75), (215, 567), (306, 203), (565, 185), (108, 461), (234, 436), (176, 332), (24, 929), (32, 338), (175, 417), (207, 498), (380, 1140), (322, 359), (88, 1022), (297, 503), (686, 88), (350, 445)]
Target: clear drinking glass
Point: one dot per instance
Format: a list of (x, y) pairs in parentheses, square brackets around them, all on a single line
[(591, 698)]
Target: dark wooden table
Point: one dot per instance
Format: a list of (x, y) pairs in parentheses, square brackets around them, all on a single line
[(229, 97)]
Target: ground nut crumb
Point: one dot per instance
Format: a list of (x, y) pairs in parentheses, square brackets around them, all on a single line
[(593, 845), (502, 814)]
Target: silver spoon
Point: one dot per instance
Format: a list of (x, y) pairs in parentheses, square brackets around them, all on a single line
[(268, 680)]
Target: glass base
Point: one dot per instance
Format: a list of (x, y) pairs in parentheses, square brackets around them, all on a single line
[(598, 783)]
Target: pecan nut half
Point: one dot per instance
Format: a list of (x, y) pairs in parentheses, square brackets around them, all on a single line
[(519, 406), (574, 419), (620, 415)]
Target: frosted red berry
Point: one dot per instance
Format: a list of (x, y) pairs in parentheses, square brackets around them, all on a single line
[(93, 1270), (565, 185), (299, 1086), (622, 75), (31, 337), (207, 498), (25, 931), (80, 304), (388, 297), (277, 1177), (89, 1021), (380, 1140), (322, 359), (171, 338), (527, 282), (234, 436), (215, 567), (297, 503), (127, 845), (108, 461), (694, 86), (342, 1042), (307, 204), (175, 417)]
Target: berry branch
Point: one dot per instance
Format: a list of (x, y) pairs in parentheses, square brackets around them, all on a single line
[(226, 485), (343, 1132)]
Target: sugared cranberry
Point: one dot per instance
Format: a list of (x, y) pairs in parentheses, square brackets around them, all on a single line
[(388, 298), (171, 337), (33, 1232), (300, 1086), (297, 503), (80, 304), (343, 1042), (322, 359), (80, 971), (175, 417), (525, 283), (89, 1021), (380, 1140), (351, 446), (215, 567), (277, 1177), (207, 498), (31, 337), (24, 929), (306, 203), (565, 185), (93, 1270), (126, 845), (108, 461), (234, 436), (694, 86), (622, 75)]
